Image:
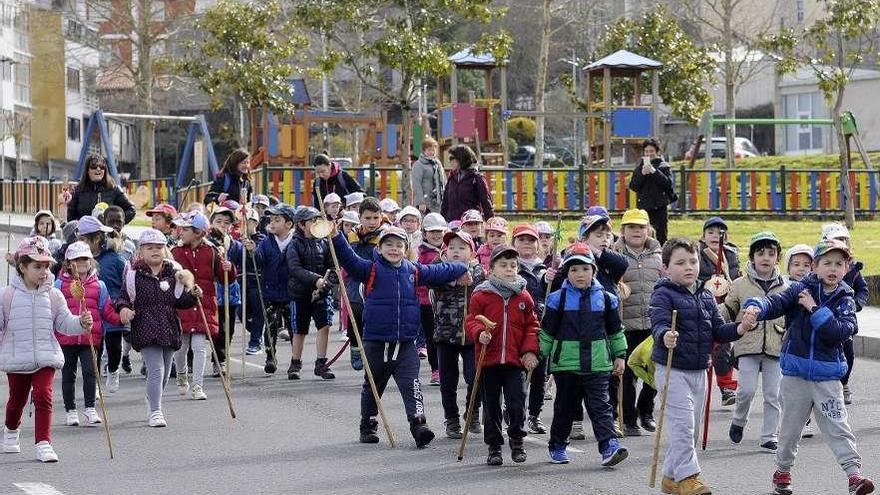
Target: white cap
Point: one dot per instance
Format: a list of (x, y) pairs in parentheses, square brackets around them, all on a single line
[(388, 205), (152, 236), (332, 198), (78, 249), (434, 221), (351, 217), (354, 198), (835, 231), (543, 227), (409, 210)]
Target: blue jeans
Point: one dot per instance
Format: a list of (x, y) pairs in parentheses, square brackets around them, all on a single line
[(254, 321)]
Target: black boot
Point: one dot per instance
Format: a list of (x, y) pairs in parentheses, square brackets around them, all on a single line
[(453, 428), (494, 458), (271, 366), (420, 431), (322, 370), (368, 431), (296, 366), (517, 452), (126, 365)]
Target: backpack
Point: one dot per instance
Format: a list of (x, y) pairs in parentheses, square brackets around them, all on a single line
[(371, 281)]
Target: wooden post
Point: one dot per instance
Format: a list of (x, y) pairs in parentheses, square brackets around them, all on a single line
[(505, 150), (606, 118)]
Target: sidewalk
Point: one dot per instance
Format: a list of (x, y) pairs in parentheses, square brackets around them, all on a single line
[(867, 342), (21, 225)]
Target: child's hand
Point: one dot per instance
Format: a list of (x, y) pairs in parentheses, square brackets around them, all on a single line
[(249, 244), (619, 366), (670, 339), (221, 198), (549, 275), (806, 300), (320, 283), (748, 323), (465, 279), (530, 361), (126, 315), (85, 320), (485, 337), (226, 265), (197, 292)]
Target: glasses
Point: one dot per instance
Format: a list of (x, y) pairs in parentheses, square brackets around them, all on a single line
[(96, 166)]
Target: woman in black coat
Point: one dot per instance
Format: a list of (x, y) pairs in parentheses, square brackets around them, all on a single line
[(652, 183), (232, 182), (330, 178), (466, 188), (97, 186)]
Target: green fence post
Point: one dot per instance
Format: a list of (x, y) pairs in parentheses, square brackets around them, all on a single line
[(682, 196)]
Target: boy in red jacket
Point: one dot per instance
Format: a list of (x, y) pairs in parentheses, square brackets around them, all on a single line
[(511, 345)]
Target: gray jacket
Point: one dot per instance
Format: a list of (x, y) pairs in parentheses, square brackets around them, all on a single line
[(27, 341), (429, 180), (641, 274)]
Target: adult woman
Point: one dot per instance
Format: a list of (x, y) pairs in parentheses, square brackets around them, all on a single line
[(329, 178), (97, 186), (232, 181), (428, 178), (466, 188), (652, 182)]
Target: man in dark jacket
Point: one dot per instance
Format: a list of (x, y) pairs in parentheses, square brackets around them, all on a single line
[(652, 183)]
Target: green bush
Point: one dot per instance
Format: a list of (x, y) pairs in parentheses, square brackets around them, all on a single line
[(522, 130)]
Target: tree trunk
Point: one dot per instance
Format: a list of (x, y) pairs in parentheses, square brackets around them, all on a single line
[(843, 153), (16, 171), (242, 125), (543, 60), (147, 161), (729, 88)]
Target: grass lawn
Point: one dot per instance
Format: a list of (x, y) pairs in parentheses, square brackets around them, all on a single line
[(865, 241), (792, 162)]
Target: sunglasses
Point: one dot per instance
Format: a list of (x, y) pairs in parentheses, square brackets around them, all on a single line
[(97, 167)]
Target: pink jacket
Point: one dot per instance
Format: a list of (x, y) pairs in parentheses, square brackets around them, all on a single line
[(484, 255), (427, 254), (98, 302)]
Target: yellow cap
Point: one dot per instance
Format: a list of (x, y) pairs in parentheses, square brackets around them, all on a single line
[(635, 217)]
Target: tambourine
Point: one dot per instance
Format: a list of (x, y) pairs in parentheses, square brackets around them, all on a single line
[(718, 285), (322, 228)]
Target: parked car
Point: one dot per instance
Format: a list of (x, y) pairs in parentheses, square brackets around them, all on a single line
[(742, 148), (524, 157)]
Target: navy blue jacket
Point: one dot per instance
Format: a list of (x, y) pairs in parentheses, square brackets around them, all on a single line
[(612, 267), (813, 344), (699, 324), (535, 285), (273, 270), (391, 307), (308, 260), (111, 269), (854, 279)]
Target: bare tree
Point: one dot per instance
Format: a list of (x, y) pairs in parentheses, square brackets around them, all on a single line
[(16, 126)]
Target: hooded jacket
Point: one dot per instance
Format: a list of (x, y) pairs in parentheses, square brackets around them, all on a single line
[(427, 254), (643, 271), (308, 259), (466, 190), (339, 182), (97, 301), (429, 182), (766, 338), (516, 331), (363, 243)]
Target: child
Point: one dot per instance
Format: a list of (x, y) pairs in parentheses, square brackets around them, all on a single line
[(261, 204), (511, 345), (222, 222), (854, 279), (29, 352), (410, 220), (496, 235), (162, 219), (348, 222), (311, 274), (429, 252), (332, 206), (391, 322), (114, 217), (449, 333), (758, 351), (798, 262), (472, 223), (698, 325), (353, 201), (46, 226), (717, 277), (254, 319), (363, 241), (390, 209), (644, 262), (154, 288), (582, 314), (207, 263), (80, 265), (820, 316), (545, 234), (269, 254)]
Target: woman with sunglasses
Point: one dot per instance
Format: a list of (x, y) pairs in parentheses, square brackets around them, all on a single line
[(96, 186)]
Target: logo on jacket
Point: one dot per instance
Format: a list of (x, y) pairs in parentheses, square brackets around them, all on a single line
[(412, 278), (847, 307), (522, 306)]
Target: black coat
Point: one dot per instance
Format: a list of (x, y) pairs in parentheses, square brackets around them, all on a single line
[(307, 260), (86, 197), (653, 191), (234, 187), (466, 190), (339, 182)]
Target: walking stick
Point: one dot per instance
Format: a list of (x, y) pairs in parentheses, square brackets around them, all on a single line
[(78, 292), (214, 353), (663, 398), (709, 378), (322, 229), (244, 333), (470, 410), (267, 336), (227, 338)]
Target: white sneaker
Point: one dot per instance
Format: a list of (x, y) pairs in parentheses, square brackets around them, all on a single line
[(92, 417), (72, 418), (157, 420), (198, 393), (45, 452), (11, 444), (577, 431), (182, 384), (113, 382)]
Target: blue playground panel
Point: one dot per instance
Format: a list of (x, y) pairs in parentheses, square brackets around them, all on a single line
[(631, 122)]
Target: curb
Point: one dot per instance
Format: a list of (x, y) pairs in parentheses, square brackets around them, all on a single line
[(866, 347), (16, 230)]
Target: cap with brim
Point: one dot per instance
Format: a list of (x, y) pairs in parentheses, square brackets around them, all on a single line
[(351, 217), (825, 246), (496, 224), (471, 216), (635, 217), (764, 236), (597, 210), (394, 232), (253, 214), (354, 198), (195, 220), (162, 209), (835, 231), (525, 229), (78, 249), (332, 198), (589, 222), (222, 210), (715, 222), (409, 211), (89, 225), (503, 250), (152, 236), (455, 225), (544, 228), (434, 221), (464, 236), (282, 209), (35, 248), (579, 252), (261, 199), (388, 205)]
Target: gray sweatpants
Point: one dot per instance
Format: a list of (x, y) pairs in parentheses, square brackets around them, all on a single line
[(200, 354), (158, 362), (684, 413), (750, 368), (799, 398)]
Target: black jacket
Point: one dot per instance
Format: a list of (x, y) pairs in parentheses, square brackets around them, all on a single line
[(86, 197), (653, 191), (233, 185), (307, 261), (339, 182)]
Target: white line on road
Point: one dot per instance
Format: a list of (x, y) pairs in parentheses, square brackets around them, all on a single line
[(252, 365), (37, 489), (539, 442)]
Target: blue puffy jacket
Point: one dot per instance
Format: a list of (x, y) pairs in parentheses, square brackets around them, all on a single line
[(812, 348), (699, 324), (233, 253), (273, 270), (856, 281), (111, 267), (391, 307)]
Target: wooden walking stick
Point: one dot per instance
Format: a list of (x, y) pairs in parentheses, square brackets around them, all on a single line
[(214, 353), (323, 230), (244, 333), (79, 293), (620, 402), (663, 397), (706, 411), (489, 325), (227, 338)]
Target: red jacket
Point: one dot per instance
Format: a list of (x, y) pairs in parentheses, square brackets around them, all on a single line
[(515, 334), (97, 301), (205, 264)]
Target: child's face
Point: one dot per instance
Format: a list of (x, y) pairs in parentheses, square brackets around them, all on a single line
[(279, 225), (81, 265), (831, 268), (355, 207), (635, 236), (152, 254), (505, 269), (114, 220), (765, 260), (598, 239), (683, 267), (371, 220), (434, 237), (712, 236), (261, 209), (410, 224), (252, 226), (458, 250), (307, 227), (221, 223), (191, 236), (472, 228), (799, 266), (526, 246), (580, 276), (393, 250), (35, 273), (160, 223), (333, 208), (44, 226), (546, 241), (347, 227), (495, 238), (430, 152)]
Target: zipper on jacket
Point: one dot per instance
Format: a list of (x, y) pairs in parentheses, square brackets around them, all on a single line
[(399, 309), (504, 334)]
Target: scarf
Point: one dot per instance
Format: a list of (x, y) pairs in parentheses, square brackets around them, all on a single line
[(507, 289), (283, 243), (750, 269)]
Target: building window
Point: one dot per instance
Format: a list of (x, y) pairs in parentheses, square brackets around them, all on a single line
[(804, 138), (22, 123), (799, 11), (74, 131), (157, 11), (21, 31), (73, 79), (22, 70), (6, 69)]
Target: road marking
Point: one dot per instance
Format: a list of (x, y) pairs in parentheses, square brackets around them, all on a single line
[(37, 489), (538, 442), (252, 365)]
